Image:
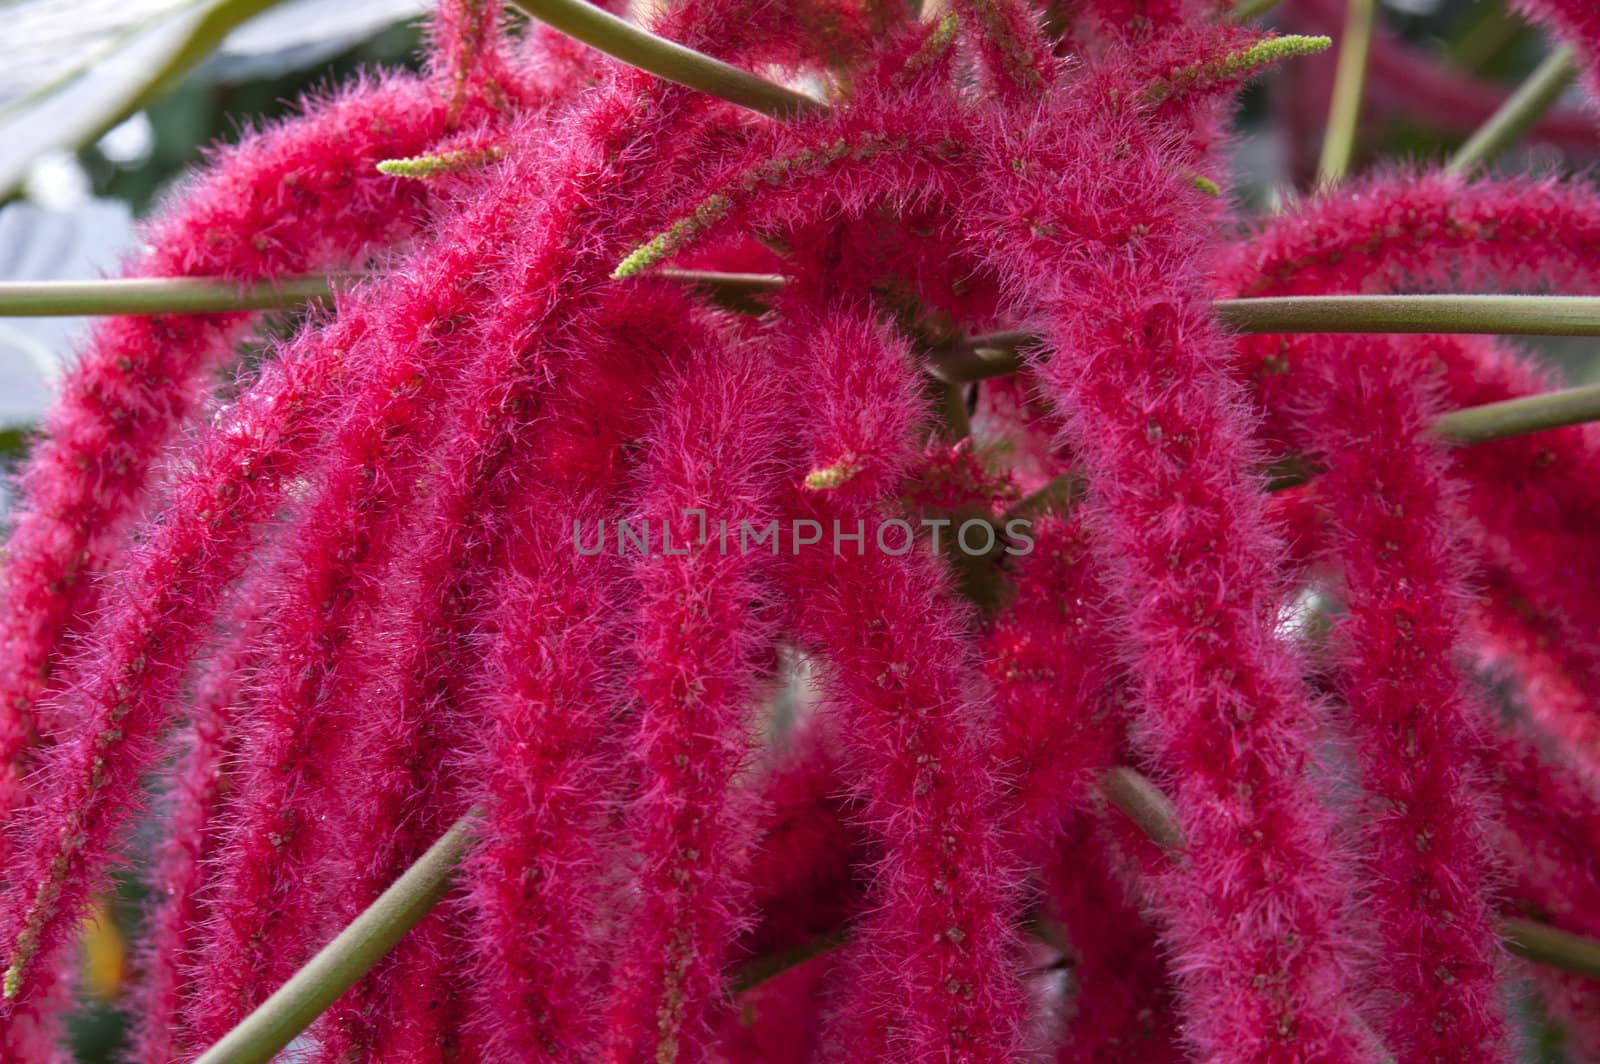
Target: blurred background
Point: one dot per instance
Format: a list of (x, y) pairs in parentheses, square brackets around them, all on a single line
[(105, 103)]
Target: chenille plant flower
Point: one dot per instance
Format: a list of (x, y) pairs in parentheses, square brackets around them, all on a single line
[(816, 530)]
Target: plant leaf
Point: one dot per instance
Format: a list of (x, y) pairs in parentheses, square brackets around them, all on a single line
[(84, 65)]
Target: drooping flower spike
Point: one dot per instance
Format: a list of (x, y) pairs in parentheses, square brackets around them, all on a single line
[(148, 633), (1531, 510), (1401, 576), (1576, 23), (387, 561), (178, 881), (928, 974), (299, 197), (1527, 532)]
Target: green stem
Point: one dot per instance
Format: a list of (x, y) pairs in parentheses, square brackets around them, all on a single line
[(752, 283), (978, 358), (1549, 946), (154, 295), (1469, 425), (1143, 803), (1349, 83), (738, 292), (1504, 315), (1520, 417), (1519, 113), (336, 967), (666, 59), (995, 354), (951, 398), (758, 970)]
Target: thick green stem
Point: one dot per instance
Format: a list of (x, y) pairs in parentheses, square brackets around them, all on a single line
[(336, 967), (1473, 424), (1519, 113), (623, 40), (980, 357), (1143, 803), (995, 354), (750, 283), (738, 292), (1546, 945), (153, 295), (1520, 417), (1349, 84), (1503, 315)]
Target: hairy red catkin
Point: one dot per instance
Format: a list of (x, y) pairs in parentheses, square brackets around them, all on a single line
[(1121, 1008), (533, 995), (300, 196), (1532, 519), (151, 625), (1550, 833), (1365, 410), (1578, 23), (576, 411), (1091, 233), (549, 771), (1531, 514), (555, 756), (933, 971), (404, 367), (177, 883), (703, 640), (536, 331), (1048, 666)]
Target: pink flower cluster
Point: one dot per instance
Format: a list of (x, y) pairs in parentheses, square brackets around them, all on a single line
[(749, 806)]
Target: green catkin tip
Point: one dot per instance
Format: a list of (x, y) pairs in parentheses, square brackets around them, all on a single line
[(422, 167), (936, 45), (1205, 184), (771, 173), (1258, 55), (1275, 48), (830, 477), (665, 243)]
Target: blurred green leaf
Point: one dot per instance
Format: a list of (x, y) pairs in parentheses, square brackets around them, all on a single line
[(84, 65)]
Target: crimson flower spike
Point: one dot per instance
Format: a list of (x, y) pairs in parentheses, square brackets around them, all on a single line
[(143, 377), (371, 549)]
